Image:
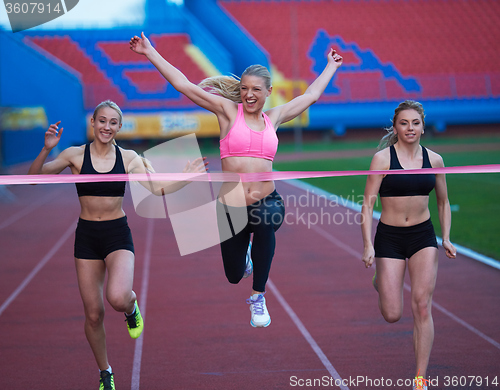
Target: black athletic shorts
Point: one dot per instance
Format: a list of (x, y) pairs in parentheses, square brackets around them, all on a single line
[(402, 242), (97, 239)]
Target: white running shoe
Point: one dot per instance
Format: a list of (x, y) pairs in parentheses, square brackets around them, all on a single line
[(249, 263), (260, 315)]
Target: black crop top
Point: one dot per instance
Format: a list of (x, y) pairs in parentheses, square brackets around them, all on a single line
[(107, 188), (407, 184)]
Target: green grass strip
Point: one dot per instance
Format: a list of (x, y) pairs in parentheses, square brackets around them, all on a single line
[(473, 197)]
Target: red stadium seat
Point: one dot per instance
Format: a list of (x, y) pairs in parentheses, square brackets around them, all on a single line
[(420, 38), (138, 71), (97, 86)]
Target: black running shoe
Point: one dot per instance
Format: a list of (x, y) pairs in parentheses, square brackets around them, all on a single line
[(107, 381)]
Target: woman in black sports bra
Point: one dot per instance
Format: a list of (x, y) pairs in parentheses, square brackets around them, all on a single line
[(103, 240), (405, 230)]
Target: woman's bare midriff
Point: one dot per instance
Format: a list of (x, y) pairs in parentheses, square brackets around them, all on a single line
[(101, 208), (244, 194), (404, 210)]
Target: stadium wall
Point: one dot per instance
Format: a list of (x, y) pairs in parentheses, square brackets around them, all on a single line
[(384, 64), (245, 50), (35, 91), (163, 17)]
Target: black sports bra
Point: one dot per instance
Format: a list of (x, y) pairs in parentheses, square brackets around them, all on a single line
[(116, 188), (407, 184)]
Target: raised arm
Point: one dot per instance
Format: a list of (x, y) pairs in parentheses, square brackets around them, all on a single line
[(370, 197), (216, 104), (443, 205), (297, 106), (39, 166)]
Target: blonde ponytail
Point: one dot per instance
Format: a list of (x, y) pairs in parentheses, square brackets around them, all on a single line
[(389, 139), (225, 86), (229, 86)]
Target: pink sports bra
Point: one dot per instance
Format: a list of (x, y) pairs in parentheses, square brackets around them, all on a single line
[(242, 141)]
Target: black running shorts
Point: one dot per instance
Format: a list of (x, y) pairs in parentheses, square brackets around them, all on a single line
[(402, 242), (97, 239)]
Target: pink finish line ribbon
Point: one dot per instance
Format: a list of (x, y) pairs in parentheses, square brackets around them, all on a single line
[(232, 177)]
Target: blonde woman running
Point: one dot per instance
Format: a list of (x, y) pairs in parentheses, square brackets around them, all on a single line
[(248, 144)]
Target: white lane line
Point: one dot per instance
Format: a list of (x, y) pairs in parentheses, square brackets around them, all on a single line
[(14, 218), (38, 267), (136, 366), (460, 321), (358, 255), (298, 323)]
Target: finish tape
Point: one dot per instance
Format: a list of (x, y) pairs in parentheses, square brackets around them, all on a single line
[(231, 177)]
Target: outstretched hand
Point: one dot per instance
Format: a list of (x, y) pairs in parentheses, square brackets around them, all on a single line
[(53, 135), (197, 166), (140, 45), (335, 58)]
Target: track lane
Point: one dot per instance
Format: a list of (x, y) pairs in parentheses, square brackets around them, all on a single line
[(197, 325)]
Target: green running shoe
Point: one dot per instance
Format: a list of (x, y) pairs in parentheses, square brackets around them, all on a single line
[(135, 323), (107, 381)]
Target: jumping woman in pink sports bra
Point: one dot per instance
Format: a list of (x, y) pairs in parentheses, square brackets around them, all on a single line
[(248, 143)]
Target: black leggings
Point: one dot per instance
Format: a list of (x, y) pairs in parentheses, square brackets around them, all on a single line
[(264, 218)]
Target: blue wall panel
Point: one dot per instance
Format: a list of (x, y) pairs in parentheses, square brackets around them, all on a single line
[(28, 79)]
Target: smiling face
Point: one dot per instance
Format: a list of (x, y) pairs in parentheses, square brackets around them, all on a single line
[(409, 126), (106, 123), (253, 92)]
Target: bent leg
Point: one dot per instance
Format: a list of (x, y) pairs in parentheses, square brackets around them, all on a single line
[(263, 247), (264, 220), (390, 280), (234, 239), (423, 267), (234, 251), (90, 274), (119, 293)]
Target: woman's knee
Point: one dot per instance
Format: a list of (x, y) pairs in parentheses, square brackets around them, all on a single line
[(234, 271), (119, 301), (421, 308), (234, 260), (233, 279), (94, 317), (391, 314), (391, 317)]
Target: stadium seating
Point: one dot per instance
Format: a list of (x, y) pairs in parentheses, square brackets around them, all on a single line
[(435, 51), (449, 48), (110, 70)]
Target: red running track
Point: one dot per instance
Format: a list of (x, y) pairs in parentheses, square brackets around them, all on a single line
[(325, 318)]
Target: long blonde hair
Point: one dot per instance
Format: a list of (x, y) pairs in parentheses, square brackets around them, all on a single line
[(229, 86), (391, 137)]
